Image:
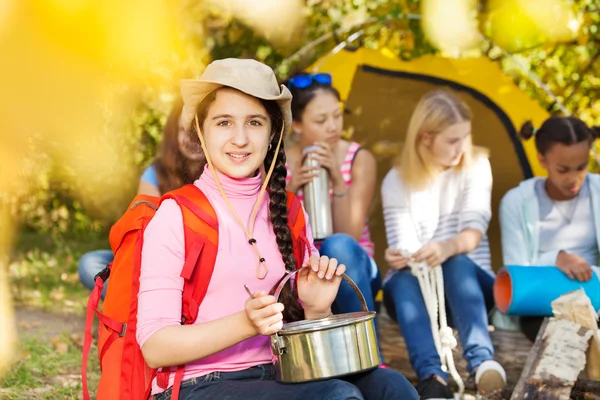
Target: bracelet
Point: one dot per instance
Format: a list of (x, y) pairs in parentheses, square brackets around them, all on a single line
[(340, 194)]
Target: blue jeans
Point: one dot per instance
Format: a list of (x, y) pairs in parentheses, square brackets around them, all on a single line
[(469, 294), (257, 383), (347, 251), (90, 264)]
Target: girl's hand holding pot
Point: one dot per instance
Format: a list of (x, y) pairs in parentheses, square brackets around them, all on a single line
[(318, 285)]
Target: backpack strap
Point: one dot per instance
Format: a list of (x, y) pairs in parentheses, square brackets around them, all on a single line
[(201, 232), (136, 218), (297, 224), (92, 308)]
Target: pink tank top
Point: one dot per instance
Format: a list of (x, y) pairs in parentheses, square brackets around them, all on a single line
[(346, 170)]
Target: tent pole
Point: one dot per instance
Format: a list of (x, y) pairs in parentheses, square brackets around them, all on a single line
[(329, 35), (338, 48)]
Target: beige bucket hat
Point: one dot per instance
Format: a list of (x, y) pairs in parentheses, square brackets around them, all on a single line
[(249, 76)]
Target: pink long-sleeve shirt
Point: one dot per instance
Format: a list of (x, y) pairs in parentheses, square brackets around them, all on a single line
[(163, 257)]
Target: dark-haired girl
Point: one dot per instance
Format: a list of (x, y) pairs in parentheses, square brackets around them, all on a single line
[(318, 120), (179, 161), (240, 113), (555, 220)]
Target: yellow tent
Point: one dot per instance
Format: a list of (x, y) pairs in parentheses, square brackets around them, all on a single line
[(381, 91)]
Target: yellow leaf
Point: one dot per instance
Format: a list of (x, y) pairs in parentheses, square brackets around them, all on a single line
[(61, 347)]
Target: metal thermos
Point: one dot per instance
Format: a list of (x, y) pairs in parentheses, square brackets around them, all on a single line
[(317, 201)]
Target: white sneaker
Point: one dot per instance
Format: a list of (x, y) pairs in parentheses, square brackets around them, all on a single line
[(490, 377)]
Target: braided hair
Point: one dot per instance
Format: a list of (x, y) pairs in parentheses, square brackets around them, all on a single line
[(278, 211)]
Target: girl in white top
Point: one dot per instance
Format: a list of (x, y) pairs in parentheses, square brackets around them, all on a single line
[(555, 220), (437, 206)]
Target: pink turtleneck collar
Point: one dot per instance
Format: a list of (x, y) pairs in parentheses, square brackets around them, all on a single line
[(233, 187)]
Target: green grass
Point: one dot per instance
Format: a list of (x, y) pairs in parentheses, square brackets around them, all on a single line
[(43, 271), (44, 277), (48, 370)]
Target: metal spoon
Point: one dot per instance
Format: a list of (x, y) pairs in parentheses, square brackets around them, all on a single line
[(249, 291)]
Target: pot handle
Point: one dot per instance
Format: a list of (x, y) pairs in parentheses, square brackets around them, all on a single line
[(288, 275)]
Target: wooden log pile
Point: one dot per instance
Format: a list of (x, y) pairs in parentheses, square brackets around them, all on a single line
[(564, 350)]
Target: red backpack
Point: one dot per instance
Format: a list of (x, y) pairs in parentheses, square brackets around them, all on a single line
[(124, 373)]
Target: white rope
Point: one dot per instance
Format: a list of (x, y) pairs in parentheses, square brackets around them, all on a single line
[(431, 281)]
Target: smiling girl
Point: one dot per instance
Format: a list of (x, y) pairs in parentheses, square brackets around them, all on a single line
[(240, 114)]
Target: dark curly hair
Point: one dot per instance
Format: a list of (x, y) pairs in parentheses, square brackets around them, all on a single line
[(173, 169)]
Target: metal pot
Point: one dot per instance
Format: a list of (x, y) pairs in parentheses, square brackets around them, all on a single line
[(331, 347)]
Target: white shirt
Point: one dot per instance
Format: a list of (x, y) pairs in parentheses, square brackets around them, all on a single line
[(457, 200), (567, 225)]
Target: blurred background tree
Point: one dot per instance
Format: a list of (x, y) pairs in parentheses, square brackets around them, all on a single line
[(216, 29)]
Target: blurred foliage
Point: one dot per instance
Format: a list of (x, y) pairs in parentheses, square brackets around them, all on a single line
[(328, 23), (570, 70), (58, 203)]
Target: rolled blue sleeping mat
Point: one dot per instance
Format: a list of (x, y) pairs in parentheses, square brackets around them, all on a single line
[(529, 291)]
